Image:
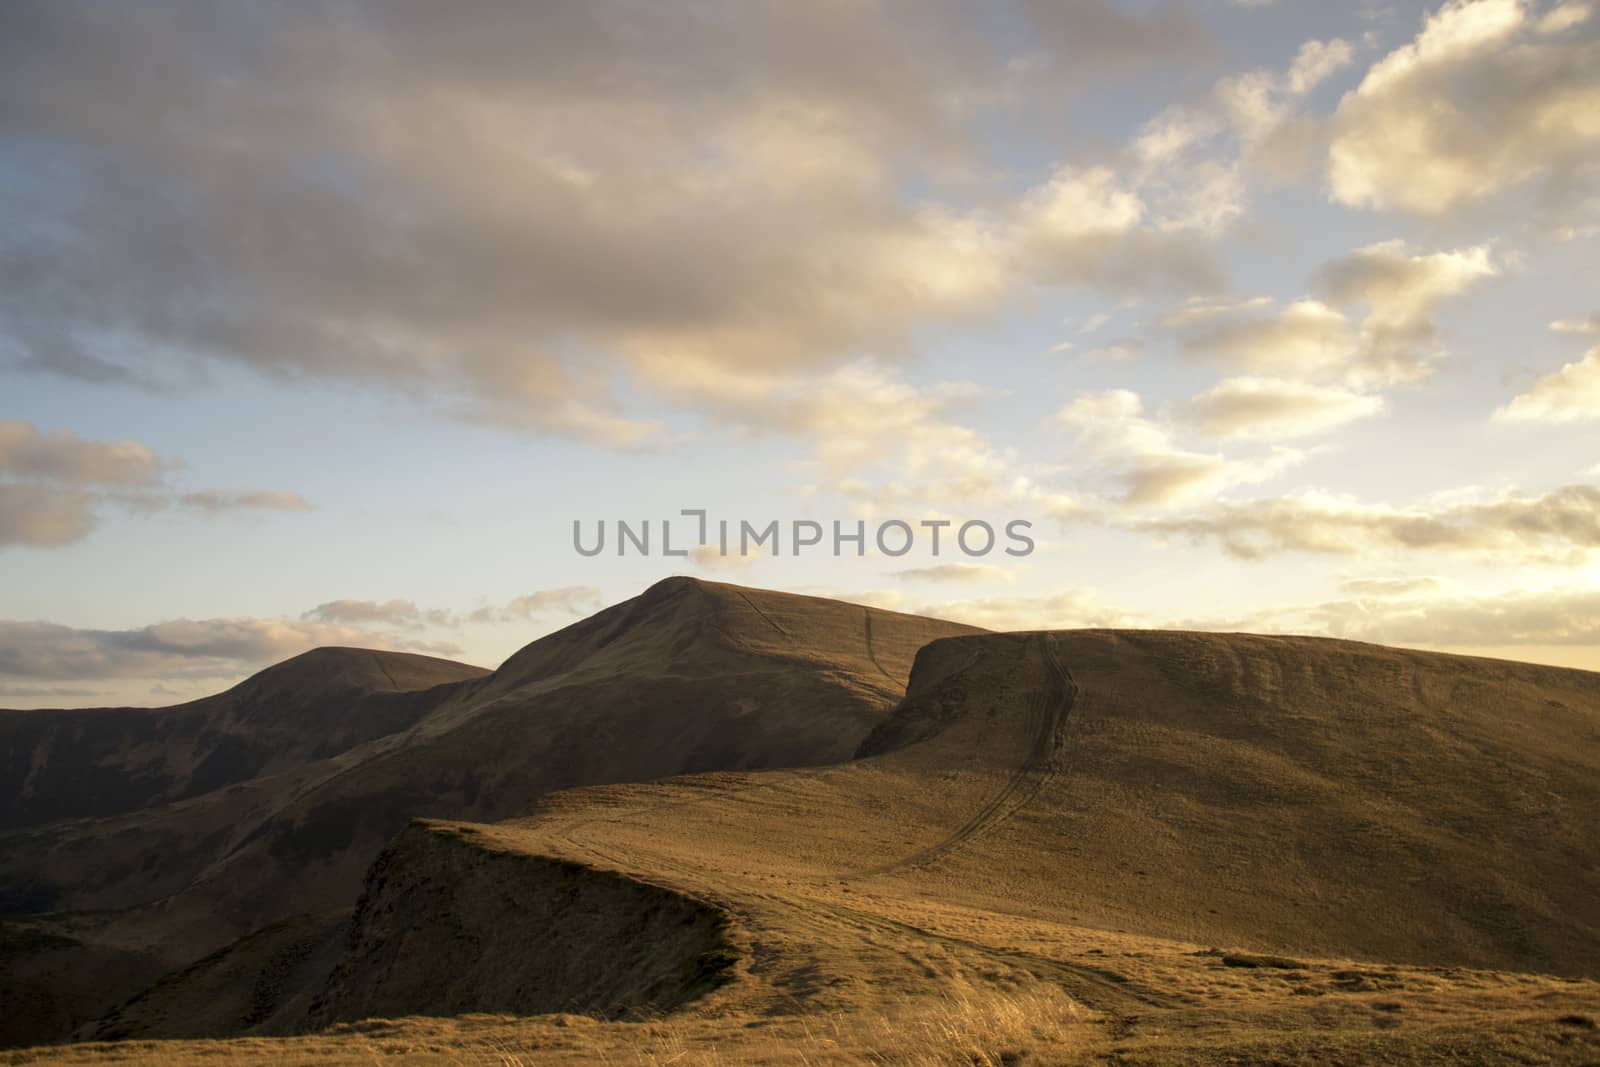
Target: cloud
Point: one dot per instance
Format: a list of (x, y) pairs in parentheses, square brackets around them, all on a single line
[(881, 440), (218, 500), (1564, 17), (1092, 226), (1484, 99), (564, 600), (1272, 409), (1305, 338), (374, 617), (1589, 325), (1073, 609), (1200, 309), (954, 572), (64, 457), (1389, 611), (1312, 338), (1567, 395), (1560, 527), (568, 600), (1389, 587), (508, 216), (1150, 469), (181, 647), (1120, 350), (1245, 122), (1094, 36), (397, 613), (1401, 291), (44, 516), (1550, 617), (712, 558), (53, 486)]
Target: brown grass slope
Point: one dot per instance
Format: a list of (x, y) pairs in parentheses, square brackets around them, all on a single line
[(1299, 793), (1286, 794), (1281, 793), (66, 764), (688, 676)]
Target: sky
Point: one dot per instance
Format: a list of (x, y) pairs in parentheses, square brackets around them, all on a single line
[(324, 323)]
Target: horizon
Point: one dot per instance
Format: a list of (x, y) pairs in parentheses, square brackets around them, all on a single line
[(326, 325), (979, 632)]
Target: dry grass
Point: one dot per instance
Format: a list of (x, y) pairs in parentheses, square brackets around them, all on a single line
[(970, 1024)]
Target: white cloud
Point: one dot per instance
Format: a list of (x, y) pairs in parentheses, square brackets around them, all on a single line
[(1548, 617), (1150, 469), (1567, 395), (1257, 117), (1589, 325), (881, 440), (1564, 17), (1476, 104), (1315, 62), (564, 600), (1307, 338), (1389, 587), (1074, 609), (1273, 409), (1120, 350), (1401, 292), (954, 572), (1559, 527), (1400, 611), (1312, 338)]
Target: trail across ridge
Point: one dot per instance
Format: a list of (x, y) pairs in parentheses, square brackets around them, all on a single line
[(871, 652), (1047, 717), (757, 609)]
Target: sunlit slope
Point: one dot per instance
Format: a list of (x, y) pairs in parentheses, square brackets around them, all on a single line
[(1284, 793)]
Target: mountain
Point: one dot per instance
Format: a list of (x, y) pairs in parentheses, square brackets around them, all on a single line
[(688, 676), (1279, 793), (1085, 812), (58, 764), (1146, 847)]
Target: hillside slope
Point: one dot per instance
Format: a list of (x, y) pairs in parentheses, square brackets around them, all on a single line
[(1143, 847), (68, 764), (689, 676)]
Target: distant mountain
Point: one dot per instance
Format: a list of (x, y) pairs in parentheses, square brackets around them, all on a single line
[(57, 764)]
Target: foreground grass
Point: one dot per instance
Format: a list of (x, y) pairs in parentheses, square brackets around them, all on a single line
[(972, 1024)]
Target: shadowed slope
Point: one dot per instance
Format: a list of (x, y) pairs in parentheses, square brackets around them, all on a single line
[(62, 764)]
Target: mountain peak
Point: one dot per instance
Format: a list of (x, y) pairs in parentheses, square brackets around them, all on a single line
[(336, 667)]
